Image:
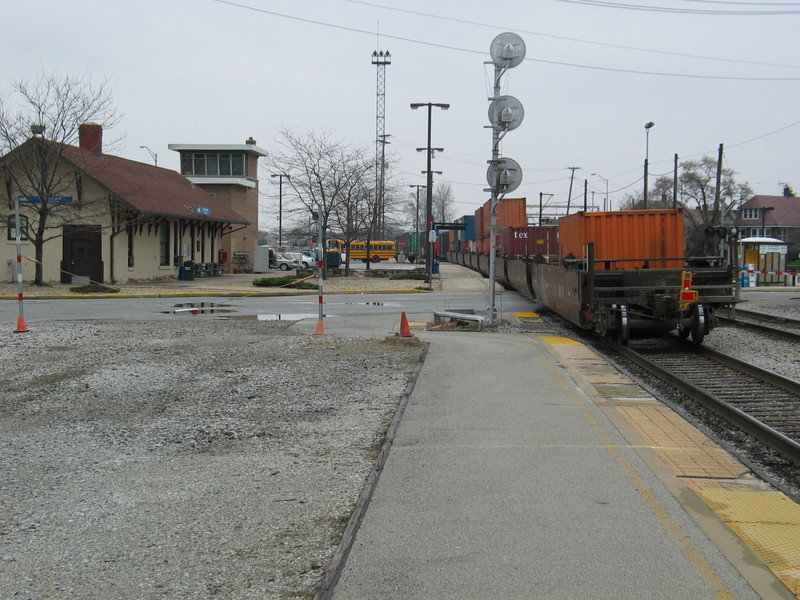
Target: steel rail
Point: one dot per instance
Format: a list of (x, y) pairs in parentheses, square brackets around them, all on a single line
[(792, 334), (777, 441)]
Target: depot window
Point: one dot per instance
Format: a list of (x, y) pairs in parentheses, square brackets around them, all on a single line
[(163, 244), (12, 228), (213, 164), (751, 214)]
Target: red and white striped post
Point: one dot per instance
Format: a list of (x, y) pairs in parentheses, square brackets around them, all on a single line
[(320, 271), (21, 327)]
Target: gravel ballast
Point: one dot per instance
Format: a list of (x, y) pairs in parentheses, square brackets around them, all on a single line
[(217, 459)]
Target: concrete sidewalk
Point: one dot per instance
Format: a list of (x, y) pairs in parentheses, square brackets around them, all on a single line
[(506, 481)]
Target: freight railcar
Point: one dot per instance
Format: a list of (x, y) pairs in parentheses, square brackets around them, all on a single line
[(619, 273)]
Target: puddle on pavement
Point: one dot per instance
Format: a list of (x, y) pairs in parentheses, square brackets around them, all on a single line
[(199, 308), (281, 317), (372, 303)]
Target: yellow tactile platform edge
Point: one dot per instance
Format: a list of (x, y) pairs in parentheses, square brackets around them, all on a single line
[(686, 450), (526, 315), (767, 521)]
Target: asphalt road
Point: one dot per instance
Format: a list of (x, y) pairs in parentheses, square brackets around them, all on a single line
[(263, 308)]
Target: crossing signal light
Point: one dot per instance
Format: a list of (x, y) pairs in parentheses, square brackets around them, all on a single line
[(718, 231)]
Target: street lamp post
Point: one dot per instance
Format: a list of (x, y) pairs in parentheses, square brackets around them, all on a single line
[(647, 127), (280, 177), (605, 201), (429, 190), (153, 155)]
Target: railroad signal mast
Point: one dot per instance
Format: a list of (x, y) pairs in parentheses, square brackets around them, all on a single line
[(505, 114)]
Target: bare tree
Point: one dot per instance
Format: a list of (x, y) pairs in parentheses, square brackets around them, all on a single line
[(697, 190), (326, 176), (35, 129), (660, 196), (443, 202), (354, 217), (398, 212)]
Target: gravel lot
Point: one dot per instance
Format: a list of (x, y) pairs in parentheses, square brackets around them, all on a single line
[(213, 459), (775, 354)]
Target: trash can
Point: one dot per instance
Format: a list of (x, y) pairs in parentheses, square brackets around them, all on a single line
[(333, 259), (188, 270), (435, 268)]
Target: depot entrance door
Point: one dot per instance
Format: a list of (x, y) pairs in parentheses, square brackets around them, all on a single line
[(83, 255)]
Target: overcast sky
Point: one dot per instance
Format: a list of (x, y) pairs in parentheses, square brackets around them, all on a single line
[(210, 71)]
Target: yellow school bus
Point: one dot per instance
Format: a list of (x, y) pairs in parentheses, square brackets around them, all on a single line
[(378, 249)]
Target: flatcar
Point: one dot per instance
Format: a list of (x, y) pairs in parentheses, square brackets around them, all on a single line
[(620, 273)]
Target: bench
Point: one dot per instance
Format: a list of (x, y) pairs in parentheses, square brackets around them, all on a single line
[(207, 269), (455, 314)]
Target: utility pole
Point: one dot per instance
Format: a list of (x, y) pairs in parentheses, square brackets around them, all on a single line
[(715, 217), (280, 177), (647, 127), (381, 220), (571, 178), (416, 211), (585, 195), (675, 184)]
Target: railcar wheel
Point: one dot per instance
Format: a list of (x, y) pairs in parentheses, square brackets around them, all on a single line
[(600, 325), (623, 325), (699, 324), (604, 322)]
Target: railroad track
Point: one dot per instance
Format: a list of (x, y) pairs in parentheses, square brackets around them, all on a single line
[(782, 327), (760, 402)]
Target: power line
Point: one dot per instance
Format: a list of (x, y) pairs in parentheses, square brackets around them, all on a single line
[(483, 52), (571, 39), (685, 11), (734, 2), (764, 135)]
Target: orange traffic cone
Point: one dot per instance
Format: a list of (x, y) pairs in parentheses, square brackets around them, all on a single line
[(404, 329), (320, 328), (21, 327)]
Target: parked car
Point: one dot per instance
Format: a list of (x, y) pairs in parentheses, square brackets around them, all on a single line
[(286, 262), (310, 257), (303, 260)]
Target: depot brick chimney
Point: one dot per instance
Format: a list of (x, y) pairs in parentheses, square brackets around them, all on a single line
[(90, 136)]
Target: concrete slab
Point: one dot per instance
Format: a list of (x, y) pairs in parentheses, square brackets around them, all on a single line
[(505, 481)]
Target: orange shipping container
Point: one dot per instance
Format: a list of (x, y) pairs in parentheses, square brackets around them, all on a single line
[(628, 234), (479, 230), (511, 212)]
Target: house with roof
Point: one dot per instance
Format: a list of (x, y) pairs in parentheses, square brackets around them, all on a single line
[(775, 217), (109, 219)]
